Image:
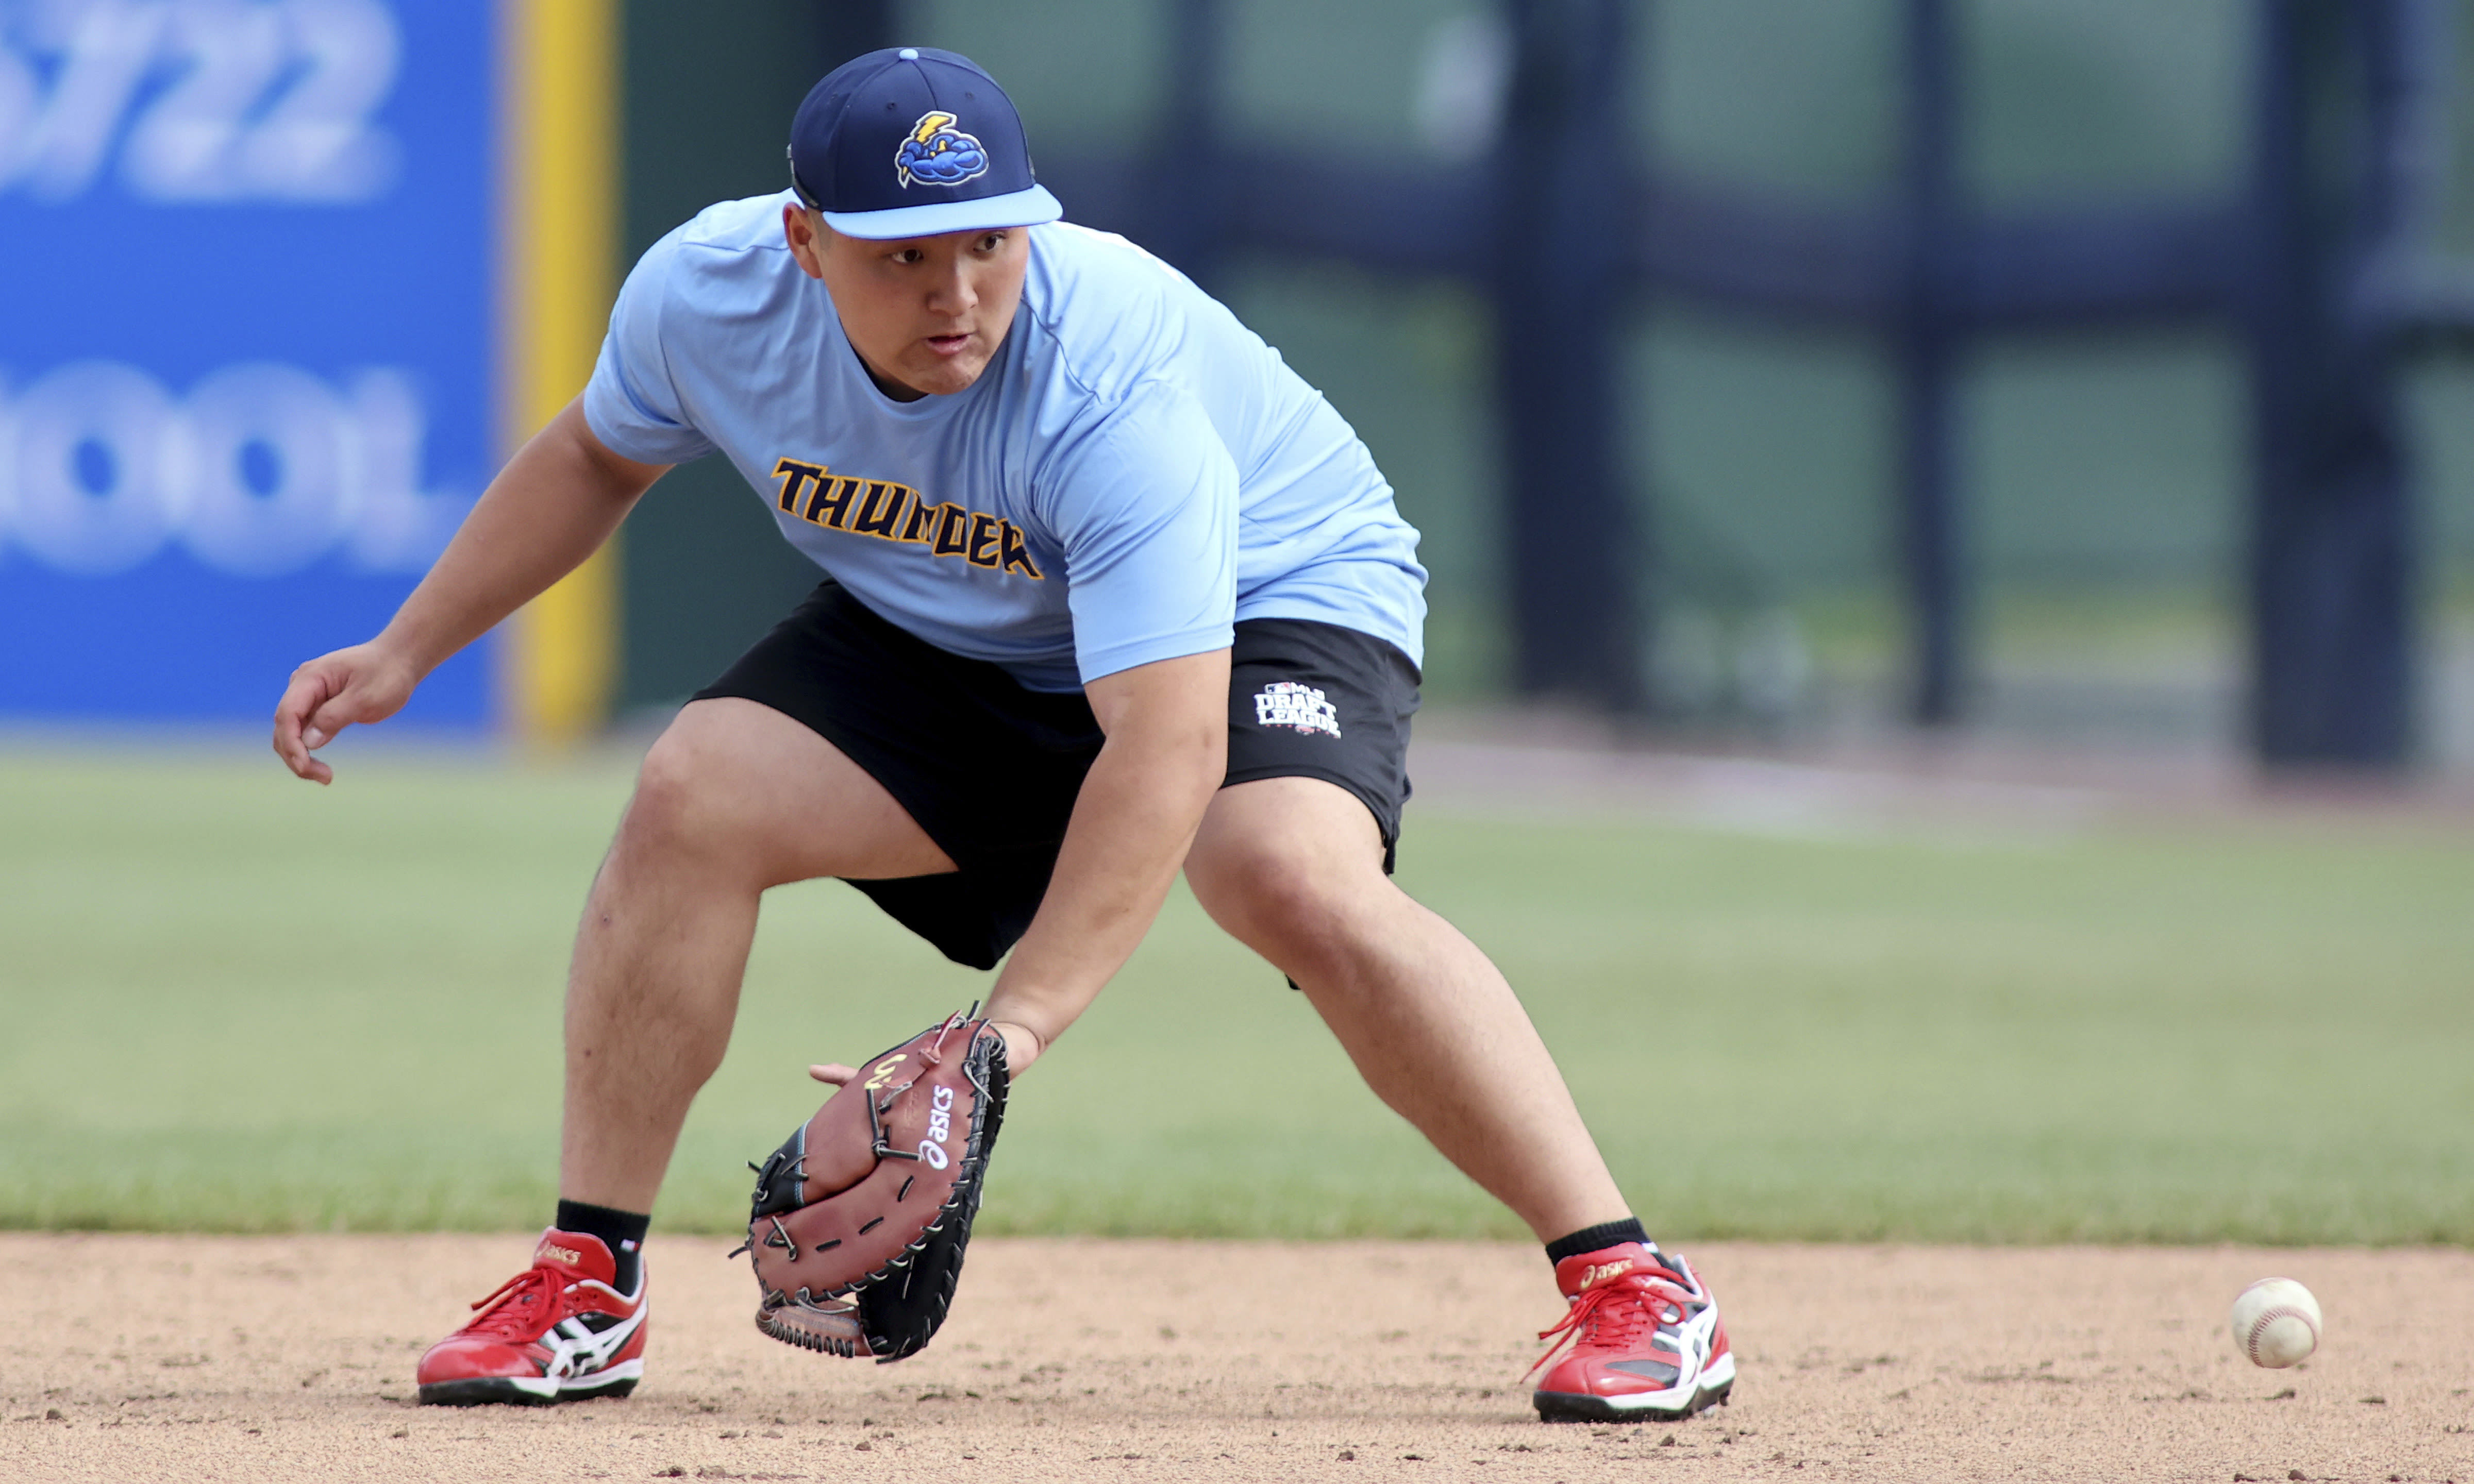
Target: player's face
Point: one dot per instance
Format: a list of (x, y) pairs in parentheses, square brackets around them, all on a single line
[(926, 314)]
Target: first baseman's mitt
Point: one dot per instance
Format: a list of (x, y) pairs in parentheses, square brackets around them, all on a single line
[(860, 1219)]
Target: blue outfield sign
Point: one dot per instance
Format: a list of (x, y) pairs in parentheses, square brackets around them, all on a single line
[(247, 251)]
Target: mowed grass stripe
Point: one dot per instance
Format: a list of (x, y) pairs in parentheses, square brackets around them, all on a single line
[(235, 1002)]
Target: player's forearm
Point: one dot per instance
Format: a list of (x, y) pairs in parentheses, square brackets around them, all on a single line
[(1133, 822), (554, 505)]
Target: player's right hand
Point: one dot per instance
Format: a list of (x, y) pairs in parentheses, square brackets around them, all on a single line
[(362, 684)]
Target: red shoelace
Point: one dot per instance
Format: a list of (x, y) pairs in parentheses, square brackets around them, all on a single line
[(1618, 1313), (512, 1311)]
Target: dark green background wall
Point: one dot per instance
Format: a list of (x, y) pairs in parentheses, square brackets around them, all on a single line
[(709, 91), (2103, 469)]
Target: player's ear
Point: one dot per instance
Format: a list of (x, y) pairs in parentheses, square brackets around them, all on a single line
[(806, 233)]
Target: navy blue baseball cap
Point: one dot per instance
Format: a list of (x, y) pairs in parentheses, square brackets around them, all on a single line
[(912, 141)]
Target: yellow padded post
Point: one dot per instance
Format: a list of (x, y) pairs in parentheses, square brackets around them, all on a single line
[(559, 214)]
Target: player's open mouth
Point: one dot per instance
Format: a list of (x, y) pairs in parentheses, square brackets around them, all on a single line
[(948, 344)]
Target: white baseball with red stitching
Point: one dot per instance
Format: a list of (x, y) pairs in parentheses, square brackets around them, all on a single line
[(2276, 1323)]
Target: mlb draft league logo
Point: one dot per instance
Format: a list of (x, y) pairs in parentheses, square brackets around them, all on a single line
[(935, 152), (1288, 703)]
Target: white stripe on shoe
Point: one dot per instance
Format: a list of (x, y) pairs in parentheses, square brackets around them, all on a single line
[(610, 1375)]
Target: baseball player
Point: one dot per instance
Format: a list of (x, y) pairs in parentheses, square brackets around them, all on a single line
[(1109, 592)]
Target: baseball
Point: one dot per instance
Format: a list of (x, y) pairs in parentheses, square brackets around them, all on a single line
[(2276, 1323)]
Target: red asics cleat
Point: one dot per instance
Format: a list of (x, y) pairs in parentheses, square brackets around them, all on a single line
[(556, 1332), (1646, 1340)]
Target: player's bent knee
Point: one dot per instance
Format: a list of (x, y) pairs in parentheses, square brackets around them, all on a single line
[(1295, 907), (682, 804), (659, 814), (1240, 881)]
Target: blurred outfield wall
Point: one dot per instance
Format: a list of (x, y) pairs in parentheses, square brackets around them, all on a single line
[(2104, 471), (282, 281), (245, 375)]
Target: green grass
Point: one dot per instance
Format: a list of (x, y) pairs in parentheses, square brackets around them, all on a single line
[(231, 1001)]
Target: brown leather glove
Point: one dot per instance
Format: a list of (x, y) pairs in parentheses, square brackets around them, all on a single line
[(860, 1219)]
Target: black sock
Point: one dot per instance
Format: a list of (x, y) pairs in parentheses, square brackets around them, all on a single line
[(623, 1232), (1592, 1238)]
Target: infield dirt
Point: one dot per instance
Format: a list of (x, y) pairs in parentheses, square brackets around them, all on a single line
[(280, 1358)]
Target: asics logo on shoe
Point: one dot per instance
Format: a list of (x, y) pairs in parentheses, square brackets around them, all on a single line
[(575, 1349), (940, 1127), (567, 1255), (1603, 1271)]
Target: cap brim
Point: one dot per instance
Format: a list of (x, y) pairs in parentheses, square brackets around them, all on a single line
[(1015, 208)]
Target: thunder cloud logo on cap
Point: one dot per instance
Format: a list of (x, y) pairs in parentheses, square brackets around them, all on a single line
[(935, 152), (904, 107)]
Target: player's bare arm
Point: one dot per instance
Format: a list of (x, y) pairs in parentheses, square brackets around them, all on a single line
[(1167, 751), (1140, 806), (554, 504)]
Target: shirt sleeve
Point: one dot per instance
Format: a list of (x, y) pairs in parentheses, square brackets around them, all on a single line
[(1145, 509), (631, 403)]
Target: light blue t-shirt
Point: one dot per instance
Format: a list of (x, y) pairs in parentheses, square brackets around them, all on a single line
[(1134, 471)]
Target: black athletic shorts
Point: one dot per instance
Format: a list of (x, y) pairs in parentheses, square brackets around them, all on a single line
[(991, 769)]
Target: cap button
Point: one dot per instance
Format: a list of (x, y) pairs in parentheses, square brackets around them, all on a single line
[(909, 54)]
